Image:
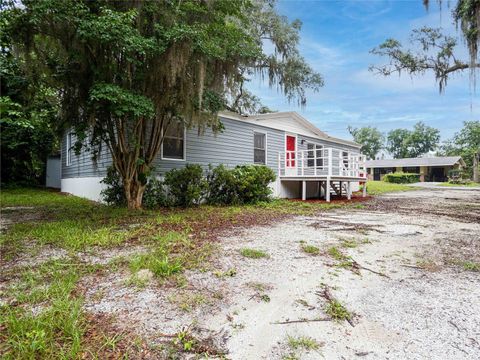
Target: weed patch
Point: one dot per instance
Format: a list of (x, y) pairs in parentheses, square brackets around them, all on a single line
[(302, 342), (171, 254), (337, 311), (229, 273), (253, 253), (310, 249), (188, 301), (336, 254), (55, 327), (348, 243), (471, 266), (468, 265), (185, 342)]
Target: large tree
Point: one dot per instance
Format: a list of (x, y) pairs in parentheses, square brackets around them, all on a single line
[(402, 143), (466, 143), (27, 129), (431, 51), (397, 143), (370, 138), (125, 71)]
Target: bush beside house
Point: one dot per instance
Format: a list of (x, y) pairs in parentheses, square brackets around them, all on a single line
[(244, 184), (401, 178)]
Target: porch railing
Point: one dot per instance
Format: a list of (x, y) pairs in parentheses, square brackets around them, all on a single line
[(321, 162)]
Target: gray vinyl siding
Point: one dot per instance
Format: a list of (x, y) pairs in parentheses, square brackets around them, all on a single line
[(82, 165), (233, 146)]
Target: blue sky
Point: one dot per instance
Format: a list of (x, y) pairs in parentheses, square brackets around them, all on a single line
[(336, 38)]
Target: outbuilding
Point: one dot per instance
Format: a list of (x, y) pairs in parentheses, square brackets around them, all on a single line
[(429, 168)]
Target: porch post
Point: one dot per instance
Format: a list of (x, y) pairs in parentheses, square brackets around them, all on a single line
[(349, 190), (304, 190), (341, 188), (330, 163), (327, 189)]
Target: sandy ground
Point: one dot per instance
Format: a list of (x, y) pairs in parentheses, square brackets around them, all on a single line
[(427, 306)]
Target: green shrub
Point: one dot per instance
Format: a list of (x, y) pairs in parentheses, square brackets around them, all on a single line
[(114, 194), (155, 196), (223, 186), (245, 184), (401, 178), (459, 177), (186, 186), (254, 182)]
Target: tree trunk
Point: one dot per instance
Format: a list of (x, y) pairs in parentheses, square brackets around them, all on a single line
[(476, 157), (134, 194)]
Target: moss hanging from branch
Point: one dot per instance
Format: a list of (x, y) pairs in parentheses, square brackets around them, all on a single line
[(126, 70)]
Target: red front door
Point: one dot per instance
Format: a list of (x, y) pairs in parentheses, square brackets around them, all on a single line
[(290, 151)]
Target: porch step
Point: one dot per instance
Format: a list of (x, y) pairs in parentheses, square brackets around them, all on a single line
[(335, 188)]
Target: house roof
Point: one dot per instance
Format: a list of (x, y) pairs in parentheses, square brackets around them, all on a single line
[(288, 121), (410, 162)]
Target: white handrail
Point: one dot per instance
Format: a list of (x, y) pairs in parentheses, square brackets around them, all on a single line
[(321, 162)]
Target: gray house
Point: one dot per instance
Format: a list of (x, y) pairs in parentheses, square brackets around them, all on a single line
[(307, 162)]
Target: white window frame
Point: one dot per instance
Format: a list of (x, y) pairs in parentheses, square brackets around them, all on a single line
[(266, 147), (68, 160), (317, 147), (184, 147)]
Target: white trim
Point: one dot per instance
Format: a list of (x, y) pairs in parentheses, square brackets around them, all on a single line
[(266, 147), (317, 146), (184, 147)]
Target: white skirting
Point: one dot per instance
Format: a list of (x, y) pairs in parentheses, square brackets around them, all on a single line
[(86, 187), (90, 188)]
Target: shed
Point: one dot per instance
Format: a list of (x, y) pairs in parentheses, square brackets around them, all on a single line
[(54, 172)]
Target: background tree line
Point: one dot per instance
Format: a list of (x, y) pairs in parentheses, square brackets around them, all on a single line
[(422, 139)]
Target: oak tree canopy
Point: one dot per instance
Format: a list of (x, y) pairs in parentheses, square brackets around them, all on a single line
[(125, 71)]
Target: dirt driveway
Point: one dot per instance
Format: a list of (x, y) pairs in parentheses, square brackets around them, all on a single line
[(399, 270)]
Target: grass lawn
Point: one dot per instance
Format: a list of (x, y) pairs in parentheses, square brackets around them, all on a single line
[(472, 184), (41, 304), (381, 187)]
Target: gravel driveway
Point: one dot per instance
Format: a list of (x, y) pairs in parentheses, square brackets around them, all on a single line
[(410, 293)]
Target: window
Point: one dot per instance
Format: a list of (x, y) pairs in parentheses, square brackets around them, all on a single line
[(173, 146), (259, 148), (314, 153), (345, 159), (69, 148)]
